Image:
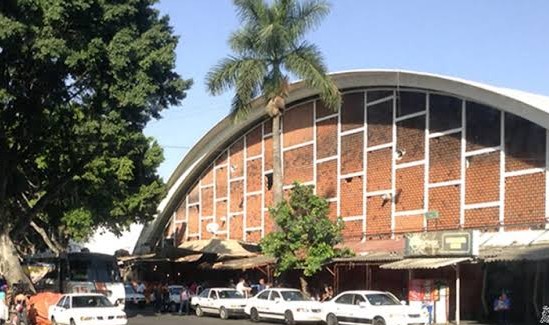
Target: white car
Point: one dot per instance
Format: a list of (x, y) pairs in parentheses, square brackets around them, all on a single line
[(370, 307), (225, 302), (289, 305), (86, 308), (133, 297)]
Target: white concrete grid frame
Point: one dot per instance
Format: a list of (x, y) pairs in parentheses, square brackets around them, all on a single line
[(364, 129)]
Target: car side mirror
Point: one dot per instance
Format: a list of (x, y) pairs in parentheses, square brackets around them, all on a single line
[(403, 302), (363, 304)]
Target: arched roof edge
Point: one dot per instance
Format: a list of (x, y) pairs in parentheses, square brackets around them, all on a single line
[(532, 107)]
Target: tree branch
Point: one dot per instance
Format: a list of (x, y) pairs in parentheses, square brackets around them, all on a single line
[(52, 244)]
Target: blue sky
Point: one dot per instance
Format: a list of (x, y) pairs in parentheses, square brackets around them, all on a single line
[(500, 42)]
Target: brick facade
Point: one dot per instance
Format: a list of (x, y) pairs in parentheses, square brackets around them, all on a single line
[(383, 161)]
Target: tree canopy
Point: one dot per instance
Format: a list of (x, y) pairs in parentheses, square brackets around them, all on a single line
[(269, 49), (79, 80), (306, 237)]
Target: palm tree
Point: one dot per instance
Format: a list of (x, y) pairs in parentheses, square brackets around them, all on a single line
[(268, 48)]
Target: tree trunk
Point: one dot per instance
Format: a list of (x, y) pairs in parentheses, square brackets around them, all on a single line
[(278, 176), (10, 267), (304, 285)]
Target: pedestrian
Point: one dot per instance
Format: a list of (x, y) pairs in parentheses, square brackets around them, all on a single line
[(262, 286), (243, 288), (4, 311), (140, 287), (184, 304), (158, 298), (502, 307)]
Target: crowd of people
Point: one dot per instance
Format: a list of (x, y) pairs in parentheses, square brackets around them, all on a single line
[(13, 303)]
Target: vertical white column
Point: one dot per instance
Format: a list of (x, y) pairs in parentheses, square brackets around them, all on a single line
[(365, 168), (338, 195), (502, 173), (245, 190), (546, 179), (228, 217), (427, 162), (393, 164), (186, 217), (458, 294), (262, 210), (200, 208), (462, 164), (314, 148)]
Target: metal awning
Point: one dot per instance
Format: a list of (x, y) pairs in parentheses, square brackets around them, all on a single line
[(424, 263), (245, 263), (373, 257), (515, 253)]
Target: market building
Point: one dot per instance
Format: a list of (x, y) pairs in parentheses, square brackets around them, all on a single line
[(407, 153)]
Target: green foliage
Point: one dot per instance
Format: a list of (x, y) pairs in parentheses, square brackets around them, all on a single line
[(79, 80), (269, 45), (306, 237)]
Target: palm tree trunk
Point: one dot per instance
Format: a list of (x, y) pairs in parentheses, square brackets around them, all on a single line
[(278, 176)]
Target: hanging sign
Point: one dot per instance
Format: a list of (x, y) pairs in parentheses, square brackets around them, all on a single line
[(446, 243)]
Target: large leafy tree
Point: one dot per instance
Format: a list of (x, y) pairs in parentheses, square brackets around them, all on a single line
[(268, 49), (306, 237), (79, 80)]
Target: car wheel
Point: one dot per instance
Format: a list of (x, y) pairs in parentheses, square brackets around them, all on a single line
[(223, 313), (378, 321), (53, 322), (331, 320), (72, 322), (254, 315), (173, 307), (289, 318), (199, 311)]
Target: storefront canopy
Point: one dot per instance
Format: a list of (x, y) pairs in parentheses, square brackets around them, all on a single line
[(224, 248), (424, 263), (245, 263)]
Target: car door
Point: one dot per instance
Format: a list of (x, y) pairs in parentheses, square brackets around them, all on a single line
[(343, 308), (65, 314), (360, 312), (211, 302), (261, 303), (275, 305), (58, 309)]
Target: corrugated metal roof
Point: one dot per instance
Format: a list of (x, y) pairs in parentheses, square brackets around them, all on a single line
[(424, 263), (515, 253), (244, 263), (371, 257)]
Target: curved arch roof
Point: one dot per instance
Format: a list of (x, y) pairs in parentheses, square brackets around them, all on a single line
[(530, 106)]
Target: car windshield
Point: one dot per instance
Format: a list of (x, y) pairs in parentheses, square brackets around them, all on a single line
[(382, 299), (175, 290), (293, 296), (90, 302), (230, 294)]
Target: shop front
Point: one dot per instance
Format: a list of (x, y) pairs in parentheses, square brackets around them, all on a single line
[(434, 262)]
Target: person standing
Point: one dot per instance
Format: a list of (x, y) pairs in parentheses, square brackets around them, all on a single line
[(4, 311), (184, 304), (502, 307), (140, 288)]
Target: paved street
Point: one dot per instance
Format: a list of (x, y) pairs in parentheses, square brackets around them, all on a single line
[(148, 318), (178, 320)]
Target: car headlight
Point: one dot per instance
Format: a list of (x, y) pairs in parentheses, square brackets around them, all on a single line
[(302, 310), (85, 318)]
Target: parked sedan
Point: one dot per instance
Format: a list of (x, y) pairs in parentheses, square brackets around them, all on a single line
[(133, 297), (86, 308), (370, 307), (289, 305), (225, 302)]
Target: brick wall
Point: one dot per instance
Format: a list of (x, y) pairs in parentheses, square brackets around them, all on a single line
[(390, 196)]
